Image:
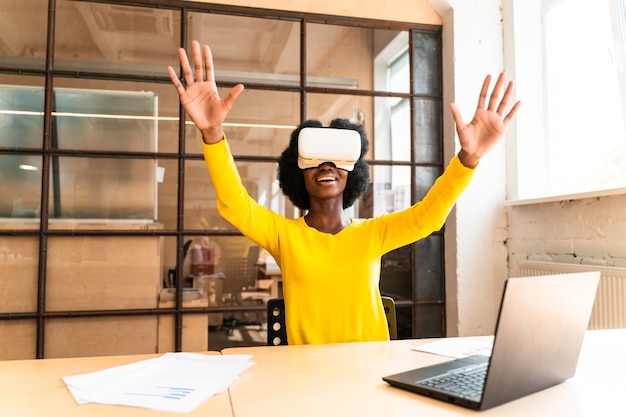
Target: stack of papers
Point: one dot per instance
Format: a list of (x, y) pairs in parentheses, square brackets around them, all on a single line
[(175, 382), (455, 347)]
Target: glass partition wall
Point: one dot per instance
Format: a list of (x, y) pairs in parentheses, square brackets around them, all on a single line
[(110, 241)]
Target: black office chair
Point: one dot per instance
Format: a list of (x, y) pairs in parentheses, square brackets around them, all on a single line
[(173, 272), (240, 274), (240, 288), (277, 332), (390, 311)]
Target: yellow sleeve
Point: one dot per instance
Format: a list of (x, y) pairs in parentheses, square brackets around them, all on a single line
[(233, 201), (429, 215)]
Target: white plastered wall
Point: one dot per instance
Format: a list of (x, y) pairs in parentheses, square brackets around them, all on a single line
[(476, 231)]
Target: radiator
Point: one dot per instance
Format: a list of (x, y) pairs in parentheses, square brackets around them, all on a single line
[(609, 309)]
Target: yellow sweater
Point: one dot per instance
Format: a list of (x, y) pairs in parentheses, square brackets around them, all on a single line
[(330, 282)]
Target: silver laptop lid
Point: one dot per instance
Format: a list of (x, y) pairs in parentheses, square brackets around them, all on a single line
[(539, 334)]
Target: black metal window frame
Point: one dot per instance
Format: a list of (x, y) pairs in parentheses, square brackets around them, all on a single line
[(49, 154)]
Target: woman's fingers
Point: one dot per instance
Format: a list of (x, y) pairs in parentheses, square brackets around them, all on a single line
[(512, 112), (495, 94), (208, 64), (496, 103), (174, 77), (483, 92), (505, 98), (197, 60), (186, 68), (202, 64), (232, 95)]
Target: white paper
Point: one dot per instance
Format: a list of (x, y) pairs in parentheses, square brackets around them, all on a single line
[(175, 382), (457, 347)]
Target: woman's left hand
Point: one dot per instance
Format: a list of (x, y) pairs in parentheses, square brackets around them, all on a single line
[(488, 125)]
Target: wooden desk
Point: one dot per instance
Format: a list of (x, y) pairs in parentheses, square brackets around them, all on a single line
[(326, 380), (33, 388), (345, 380)]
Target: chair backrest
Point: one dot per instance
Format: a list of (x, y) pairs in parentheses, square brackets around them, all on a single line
[(172, 273), (277, 332), (240, 272), (390, 311)]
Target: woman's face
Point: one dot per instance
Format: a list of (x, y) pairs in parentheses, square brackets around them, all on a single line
[(325, 181)]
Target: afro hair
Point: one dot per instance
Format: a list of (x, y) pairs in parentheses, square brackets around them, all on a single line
[(291, 178)]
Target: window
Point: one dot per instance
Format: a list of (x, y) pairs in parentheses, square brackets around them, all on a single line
[(585, 100), (393, 138), (108, 219)]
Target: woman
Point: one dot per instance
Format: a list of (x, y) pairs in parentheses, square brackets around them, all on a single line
[(330, 263)]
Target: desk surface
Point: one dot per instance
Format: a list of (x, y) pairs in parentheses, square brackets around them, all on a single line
[(326, 380), (345, 380), (33, 388)]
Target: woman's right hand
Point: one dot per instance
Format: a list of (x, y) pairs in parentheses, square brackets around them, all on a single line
[(199, 97)]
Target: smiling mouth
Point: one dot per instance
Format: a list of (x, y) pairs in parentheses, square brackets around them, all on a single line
[(325, 178)]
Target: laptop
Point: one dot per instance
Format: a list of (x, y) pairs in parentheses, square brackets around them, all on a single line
[(539, 333)]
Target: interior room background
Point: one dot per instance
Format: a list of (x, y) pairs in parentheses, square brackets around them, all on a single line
[(104, 184)]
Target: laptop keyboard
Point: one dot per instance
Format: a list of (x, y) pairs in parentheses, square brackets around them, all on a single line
[(465, 382)]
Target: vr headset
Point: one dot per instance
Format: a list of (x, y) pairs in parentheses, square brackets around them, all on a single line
[(317, 145)]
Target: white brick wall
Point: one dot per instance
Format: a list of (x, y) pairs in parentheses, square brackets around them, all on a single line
[(590, 231)]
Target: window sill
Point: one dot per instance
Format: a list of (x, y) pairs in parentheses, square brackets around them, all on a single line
[(567, 197)]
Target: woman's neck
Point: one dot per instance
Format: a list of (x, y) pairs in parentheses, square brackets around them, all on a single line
[(332, 224)]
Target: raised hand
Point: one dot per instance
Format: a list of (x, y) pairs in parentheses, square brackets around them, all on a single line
[(488, 125), (199, 96)]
